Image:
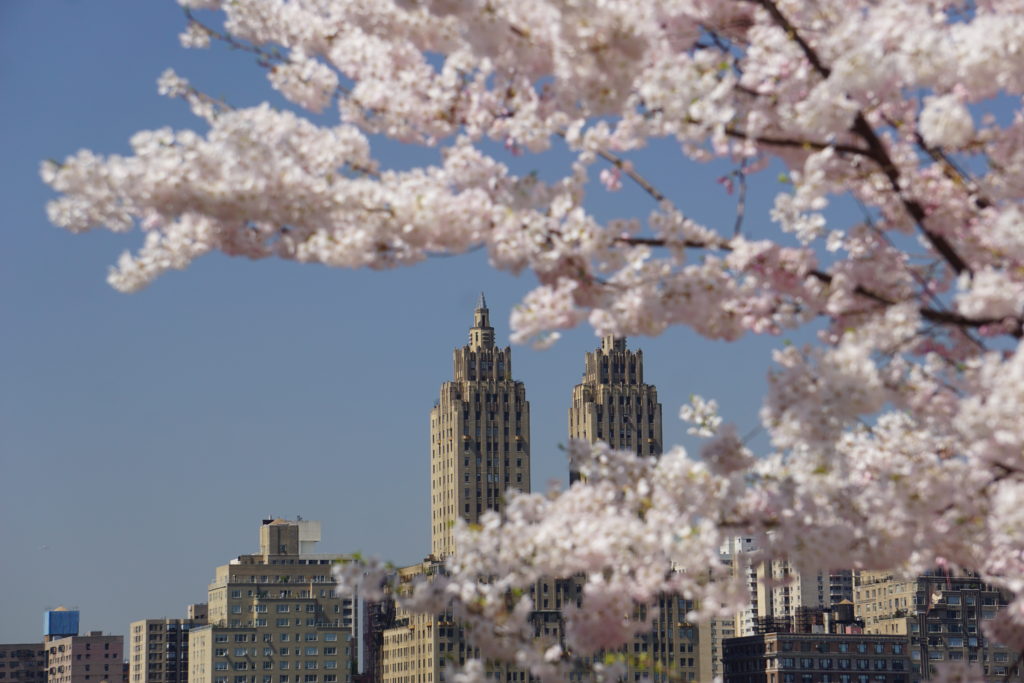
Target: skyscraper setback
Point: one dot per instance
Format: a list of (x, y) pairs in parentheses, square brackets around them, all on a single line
[(479, 435), (612, 403)]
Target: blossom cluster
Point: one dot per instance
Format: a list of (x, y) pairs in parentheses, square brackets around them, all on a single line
[(897, 439)]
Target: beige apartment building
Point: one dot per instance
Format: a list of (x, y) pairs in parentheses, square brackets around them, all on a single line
[(92, 658), (158, 648), (941, 615), (613, 404), (274, 616), (479, 435), (479, 449), (426, 648)]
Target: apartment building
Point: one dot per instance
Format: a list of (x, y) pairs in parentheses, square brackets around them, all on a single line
[(613, 404), (479, 435), (91, 658), (942, 615), (158, 648), (274, 616), (816, 658), (22, 662)]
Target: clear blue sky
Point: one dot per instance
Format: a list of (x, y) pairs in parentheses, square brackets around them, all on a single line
[(143, 437)]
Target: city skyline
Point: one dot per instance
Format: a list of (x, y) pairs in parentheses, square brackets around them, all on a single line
[(130, 422)]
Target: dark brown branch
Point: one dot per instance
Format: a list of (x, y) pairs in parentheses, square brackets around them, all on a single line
[(794, 142), (876, 150), (931, 314), (779, 18)]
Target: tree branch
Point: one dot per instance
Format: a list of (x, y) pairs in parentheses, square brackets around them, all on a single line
[(876, 150)]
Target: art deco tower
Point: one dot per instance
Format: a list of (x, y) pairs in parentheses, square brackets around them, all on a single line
[(613, 404), (479, 435)]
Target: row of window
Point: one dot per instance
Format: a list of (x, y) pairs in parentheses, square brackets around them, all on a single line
[(284, 637), (840, 678), (268, 664), (285, 678), (269, 651)]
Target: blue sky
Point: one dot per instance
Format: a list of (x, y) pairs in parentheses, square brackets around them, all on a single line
[(143, 437)]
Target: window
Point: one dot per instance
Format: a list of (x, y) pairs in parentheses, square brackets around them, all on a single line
[(221, 638), (310, 665), (331, 665), (311, 652), (283, 665), (311, 636), (239, 651), (331, 637), (236, 594), (220, 652), (220, 666)]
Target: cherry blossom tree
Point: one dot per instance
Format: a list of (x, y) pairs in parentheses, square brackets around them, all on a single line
[(897, 439)]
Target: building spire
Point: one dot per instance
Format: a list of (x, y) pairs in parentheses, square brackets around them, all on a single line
[(481, 335)]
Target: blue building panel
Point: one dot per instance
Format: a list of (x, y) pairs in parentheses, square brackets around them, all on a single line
[(60, 623)]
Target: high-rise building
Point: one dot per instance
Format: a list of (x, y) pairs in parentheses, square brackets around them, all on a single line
[(942, 615), (479, 435), (274, 616), (612, 403), (158, 648), (479, 449)]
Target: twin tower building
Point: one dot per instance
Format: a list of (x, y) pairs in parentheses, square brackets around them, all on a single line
[(480, 425)]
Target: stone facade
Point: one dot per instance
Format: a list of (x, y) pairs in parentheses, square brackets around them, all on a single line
[(612, 403), (942, 615), (274, 616), (816, 658), (158, 650), (479, 435)]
